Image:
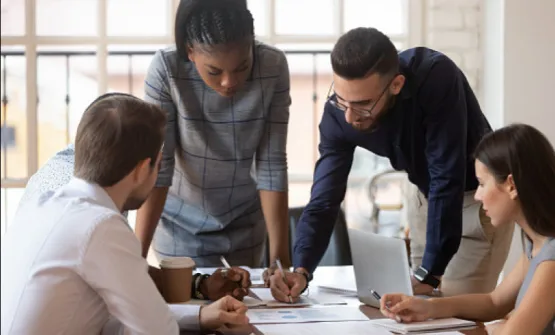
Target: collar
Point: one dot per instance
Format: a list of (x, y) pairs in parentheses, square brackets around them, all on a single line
[(93, 191)]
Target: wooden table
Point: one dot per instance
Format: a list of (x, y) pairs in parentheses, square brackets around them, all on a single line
[(337, 276)]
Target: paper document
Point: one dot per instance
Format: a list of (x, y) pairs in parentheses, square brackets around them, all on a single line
[(299, 315), (328, 328), (266, 299), (439, 324)]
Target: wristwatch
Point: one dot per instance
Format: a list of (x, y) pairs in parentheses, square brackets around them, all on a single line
[(307, 275), (197, 281), (423, 276)]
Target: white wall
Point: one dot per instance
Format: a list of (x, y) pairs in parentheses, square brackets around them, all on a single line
[(529, 68), (519, 71), (507, 50), (454, 27)]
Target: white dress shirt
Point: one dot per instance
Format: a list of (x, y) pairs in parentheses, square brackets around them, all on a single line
[(70, 261)]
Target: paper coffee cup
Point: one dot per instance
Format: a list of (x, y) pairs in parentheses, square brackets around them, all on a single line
[(177, 276)]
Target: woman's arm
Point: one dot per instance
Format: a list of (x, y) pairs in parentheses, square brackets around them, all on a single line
[(157, 92), (537, 307), (271, 168), (484, 307)]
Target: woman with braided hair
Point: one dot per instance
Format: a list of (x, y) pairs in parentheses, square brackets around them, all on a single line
[(227, 100)]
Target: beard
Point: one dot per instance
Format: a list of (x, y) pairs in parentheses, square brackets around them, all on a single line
[(133, 202), (374, 125)]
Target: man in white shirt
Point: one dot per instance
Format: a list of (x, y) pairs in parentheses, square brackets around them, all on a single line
[(70, 259)]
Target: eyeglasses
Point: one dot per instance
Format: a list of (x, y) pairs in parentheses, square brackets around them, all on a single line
[(363, 113)]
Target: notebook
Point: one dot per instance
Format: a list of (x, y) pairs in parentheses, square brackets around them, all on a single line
[(438, 324)]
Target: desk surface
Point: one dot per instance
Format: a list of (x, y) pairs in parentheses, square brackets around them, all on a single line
[(339, 276)]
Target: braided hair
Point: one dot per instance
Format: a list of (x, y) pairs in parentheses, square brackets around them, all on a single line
[(209, 23)]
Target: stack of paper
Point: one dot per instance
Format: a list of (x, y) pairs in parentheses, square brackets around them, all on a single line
[(430, 325), (301, 315), (319, 328)]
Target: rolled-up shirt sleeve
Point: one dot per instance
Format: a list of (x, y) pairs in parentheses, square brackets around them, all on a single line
[(271, 155), (157, 91)]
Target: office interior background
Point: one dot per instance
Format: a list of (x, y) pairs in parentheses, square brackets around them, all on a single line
[(58, 55)]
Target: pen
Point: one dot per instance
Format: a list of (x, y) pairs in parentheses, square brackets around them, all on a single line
[(278, 262), (379, 298), (224, 262)]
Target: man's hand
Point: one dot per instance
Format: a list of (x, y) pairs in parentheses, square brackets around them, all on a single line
[(268, 273), (234, 282), (226, 311), (419, 288), (281, 291), (404, 308)]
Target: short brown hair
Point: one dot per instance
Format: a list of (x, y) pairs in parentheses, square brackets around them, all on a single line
[(361, 52), (116, 132)]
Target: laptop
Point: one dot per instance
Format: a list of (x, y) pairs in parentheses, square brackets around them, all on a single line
[(381, 264)]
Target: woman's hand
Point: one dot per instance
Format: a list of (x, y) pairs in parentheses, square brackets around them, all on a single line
[(404, 308)]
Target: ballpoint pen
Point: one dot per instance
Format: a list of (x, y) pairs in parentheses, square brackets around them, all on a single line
[(227, 266), (379, 298), (278, 262)]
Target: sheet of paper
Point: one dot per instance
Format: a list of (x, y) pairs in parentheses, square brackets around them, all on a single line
[(266, 297), (439, 324), (328, 328), (300, 315)]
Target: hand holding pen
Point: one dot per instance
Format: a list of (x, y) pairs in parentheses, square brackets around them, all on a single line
[(385, 305), (244, 281), (278, 262)]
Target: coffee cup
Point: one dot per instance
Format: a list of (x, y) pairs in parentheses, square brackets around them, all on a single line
[(177, 276)]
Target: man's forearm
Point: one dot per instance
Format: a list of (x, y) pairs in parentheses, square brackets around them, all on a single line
[(444, 231), (276, 213), (148, 216)]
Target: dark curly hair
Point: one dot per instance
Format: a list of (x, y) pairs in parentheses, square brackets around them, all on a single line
[(207, 24)]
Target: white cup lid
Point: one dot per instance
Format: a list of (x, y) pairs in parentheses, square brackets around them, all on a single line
[(177, 263)]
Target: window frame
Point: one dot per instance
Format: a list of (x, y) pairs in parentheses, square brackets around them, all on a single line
[(30, 41)]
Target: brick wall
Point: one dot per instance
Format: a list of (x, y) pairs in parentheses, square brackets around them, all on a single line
[(454, 27)]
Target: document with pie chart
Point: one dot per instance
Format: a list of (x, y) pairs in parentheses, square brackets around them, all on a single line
[(299, 315)]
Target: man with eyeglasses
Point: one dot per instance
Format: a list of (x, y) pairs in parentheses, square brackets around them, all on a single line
[(417, 109)]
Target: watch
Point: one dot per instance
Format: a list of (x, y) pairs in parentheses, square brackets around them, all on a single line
[(308, 276), (423, 276)]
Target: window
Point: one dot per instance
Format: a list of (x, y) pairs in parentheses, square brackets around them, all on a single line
[(291, 17), (87, 47), (8, 137), (66, 85), (67, 17), (13, 18), (128, 17), (370, 13), (13, 119)]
